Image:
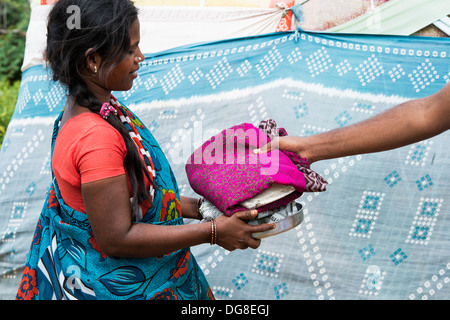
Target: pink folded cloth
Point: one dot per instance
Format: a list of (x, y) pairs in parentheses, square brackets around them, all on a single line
[(314, 182), (226, 172)]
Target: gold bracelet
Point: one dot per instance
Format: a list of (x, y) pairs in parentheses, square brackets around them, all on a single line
[(213, 231)]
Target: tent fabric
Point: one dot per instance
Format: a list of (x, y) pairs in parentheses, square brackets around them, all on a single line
[(444, 25), (321, 15), (397, 17), (167, 27), (197, 3), (380, 229)]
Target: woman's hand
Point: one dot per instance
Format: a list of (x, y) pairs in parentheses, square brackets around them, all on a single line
[(234, 233)]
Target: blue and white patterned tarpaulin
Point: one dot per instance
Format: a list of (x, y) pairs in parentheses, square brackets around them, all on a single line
[(380, 231)]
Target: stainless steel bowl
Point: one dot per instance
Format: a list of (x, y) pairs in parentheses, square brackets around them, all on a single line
[(283, 225)]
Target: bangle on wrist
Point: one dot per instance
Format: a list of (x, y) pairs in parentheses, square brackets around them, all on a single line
[(213, 232)]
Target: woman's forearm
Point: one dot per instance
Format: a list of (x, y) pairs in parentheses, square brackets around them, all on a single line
[(189, 207), (165, 239), (109, 212), (146, 240)]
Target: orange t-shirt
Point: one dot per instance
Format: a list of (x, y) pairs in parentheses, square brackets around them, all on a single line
[(87, 149)]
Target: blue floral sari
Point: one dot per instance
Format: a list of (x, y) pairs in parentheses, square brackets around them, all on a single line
[(65, 262)]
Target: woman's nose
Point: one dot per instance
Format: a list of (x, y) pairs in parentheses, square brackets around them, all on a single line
[(139, 56)]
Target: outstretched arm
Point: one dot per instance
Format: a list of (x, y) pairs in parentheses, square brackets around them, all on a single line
[(401, 125)]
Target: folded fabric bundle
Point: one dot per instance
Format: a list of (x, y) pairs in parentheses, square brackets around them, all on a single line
[(226, 172), (314, 182)]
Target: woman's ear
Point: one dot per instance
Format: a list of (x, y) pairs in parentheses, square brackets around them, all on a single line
[(93, 60)]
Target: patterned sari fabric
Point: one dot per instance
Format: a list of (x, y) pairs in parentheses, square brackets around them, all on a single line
[(65, 261)]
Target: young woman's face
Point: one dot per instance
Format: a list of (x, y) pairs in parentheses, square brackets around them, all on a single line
[(122, 76)]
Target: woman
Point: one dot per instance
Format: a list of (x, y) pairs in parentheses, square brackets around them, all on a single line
[(112, 226)]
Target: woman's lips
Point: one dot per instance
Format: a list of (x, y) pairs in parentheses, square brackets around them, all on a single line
[(134, 74)]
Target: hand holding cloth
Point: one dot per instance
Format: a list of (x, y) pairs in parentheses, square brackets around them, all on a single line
[(226, 172)]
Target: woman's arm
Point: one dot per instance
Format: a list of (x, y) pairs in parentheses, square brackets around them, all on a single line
[(109, 212), (189, 208), (401, 125)]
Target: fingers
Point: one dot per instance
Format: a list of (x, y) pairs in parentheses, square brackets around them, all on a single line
[(250, 215), (263, 227), (264, 149), (254, 243), (246, 215), (268, 147), (243, 238), (251, 243)]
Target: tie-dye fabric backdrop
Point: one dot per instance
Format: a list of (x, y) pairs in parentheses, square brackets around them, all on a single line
[(380, 231)]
